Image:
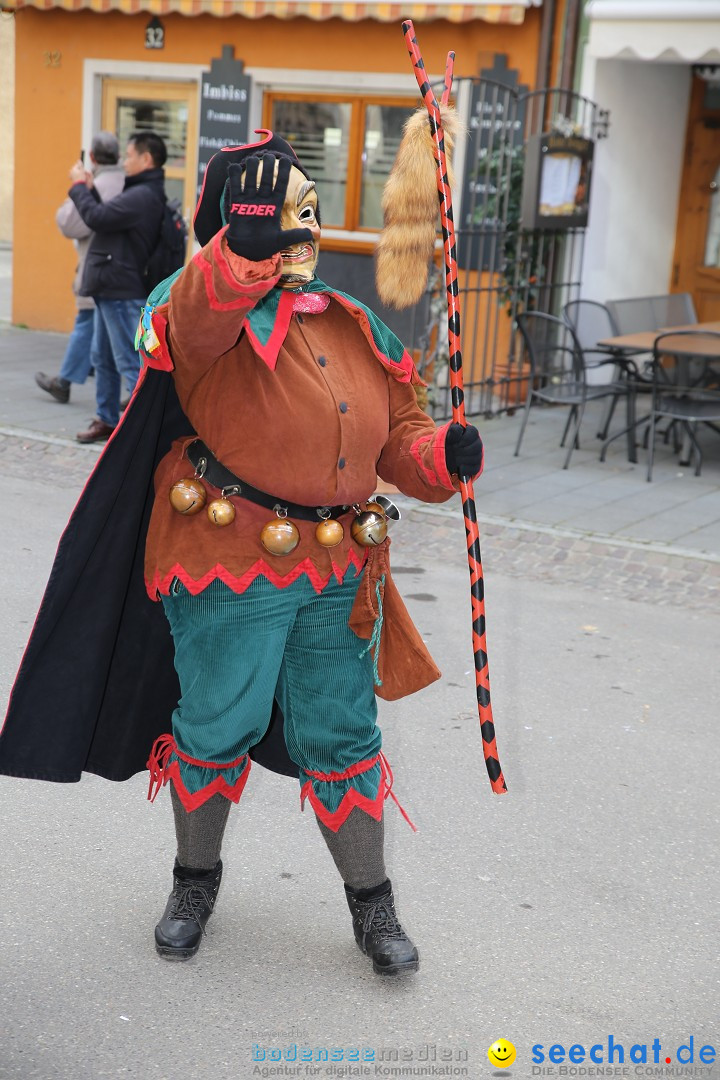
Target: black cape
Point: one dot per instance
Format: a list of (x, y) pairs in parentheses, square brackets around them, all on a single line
[(97, 683)]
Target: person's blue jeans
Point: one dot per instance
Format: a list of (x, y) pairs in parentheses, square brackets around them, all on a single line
[(114, 353), (77, 360)]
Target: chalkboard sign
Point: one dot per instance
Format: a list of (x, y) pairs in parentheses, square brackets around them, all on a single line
[(224, 108), (497, 122)]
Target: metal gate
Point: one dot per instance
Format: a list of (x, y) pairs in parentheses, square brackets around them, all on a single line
[(503, 269)]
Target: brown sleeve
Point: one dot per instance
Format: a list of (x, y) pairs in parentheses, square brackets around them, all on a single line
[(208, 304), (413, 458)]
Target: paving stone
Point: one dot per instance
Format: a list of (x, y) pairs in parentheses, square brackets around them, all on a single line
[(620, 570)]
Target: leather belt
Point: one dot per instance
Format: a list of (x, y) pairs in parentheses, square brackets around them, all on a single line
[(212, 470)]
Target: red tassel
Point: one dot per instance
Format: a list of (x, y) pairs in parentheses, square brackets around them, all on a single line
[(160, 754), (354, 770), (388, 778)]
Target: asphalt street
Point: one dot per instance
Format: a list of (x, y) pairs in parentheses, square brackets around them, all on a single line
[(580, 907)]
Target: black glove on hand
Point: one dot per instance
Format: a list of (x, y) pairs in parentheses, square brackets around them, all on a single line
[(463, 451), (254, 229)]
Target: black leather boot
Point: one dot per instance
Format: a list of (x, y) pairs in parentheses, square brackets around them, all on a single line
[(190, 905), (378, 931)]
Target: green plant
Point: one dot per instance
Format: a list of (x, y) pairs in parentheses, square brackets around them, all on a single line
[(522, 269)]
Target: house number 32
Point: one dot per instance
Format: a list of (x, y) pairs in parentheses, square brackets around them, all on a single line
[(154, 35)]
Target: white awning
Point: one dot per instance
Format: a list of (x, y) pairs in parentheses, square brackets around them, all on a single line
[(675, 31)]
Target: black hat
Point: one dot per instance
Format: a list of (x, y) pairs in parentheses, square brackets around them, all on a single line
[(208, 216)]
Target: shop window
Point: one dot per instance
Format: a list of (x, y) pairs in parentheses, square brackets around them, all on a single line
[(348, 145), (168, 108)]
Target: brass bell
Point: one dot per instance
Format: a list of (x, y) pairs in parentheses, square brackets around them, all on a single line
[(187, 496), (279, 536), (329, 533), (221, 511), (369, 527)]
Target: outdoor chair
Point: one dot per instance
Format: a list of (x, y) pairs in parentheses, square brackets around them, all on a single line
[(652, 312), (592, 322), (558, 373), (685, 389)]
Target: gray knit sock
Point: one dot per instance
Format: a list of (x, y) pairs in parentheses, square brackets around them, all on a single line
[(200, 832), (358, 849)]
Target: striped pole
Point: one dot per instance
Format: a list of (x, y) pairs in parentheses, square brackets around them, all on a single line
[(477, 589)]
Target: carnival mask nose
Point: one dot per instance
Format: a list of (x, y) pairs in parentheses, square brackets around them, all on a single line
[(300, 211)]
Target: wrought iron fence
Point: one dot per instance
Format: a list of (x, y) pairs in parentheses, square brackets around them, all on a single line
[(503, 268)]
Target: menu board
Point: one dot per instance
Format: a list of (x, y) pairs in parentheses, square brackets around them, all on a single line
[(556, 183), (224, 108)]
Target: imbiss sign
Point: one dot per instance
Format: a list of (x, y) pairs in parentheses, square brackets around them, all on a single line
[(224, 106)]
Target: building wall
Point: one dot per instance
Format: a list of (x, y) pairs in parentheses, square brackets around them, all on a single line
[(636, 178), (49, 100), (7, 124)]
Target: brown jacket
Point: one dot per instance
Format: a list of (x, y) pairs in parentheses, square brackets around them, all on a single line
[(316, 427)]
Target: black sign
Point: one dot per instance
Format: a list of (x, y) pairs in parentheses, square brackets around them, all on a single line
[(154, 35), (497, 121), (224, 106)]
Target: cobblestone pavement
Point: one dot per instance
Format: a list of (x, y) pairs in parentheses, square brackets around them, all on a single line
[(625, 569), (58, 462)]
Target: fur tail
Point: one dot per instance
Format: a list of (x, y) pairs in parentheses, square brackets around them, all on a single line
[(410, 207)]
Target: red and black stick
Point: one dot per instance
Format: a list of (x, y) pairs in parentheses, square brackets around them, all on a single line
[(477, 591)]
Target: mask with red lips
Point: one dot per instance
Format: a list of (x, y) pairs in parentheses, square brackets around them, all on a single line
[(300, 211)]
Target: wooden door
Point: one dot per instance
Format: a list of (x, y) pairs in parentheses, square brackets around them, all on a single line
[(697, 249), (171, 110)]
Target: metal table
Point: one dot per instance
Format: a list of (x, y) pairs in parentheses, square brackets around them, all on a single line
[(629, 345)]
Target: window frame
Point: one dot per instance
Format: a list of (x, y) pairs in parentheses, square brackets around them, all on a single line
[(351, 236), (114, 88)]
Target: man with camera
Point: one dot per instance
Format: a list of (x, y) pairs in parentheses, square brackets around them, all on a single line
[(127, 229)]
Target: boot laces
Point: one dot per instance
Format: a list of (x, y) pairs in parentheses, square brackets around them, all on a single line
[(380, 916), (190, 899)]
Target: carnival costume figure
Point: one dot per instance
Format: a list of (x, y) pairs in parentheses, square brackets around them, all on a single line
[(265, 546)]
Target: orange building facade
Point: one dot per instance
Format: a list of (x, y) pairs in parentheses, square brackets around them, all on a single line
[(80, 70)]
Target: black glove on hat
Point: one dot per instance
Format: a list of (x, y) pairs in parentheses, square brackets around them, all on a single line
[(254, 229), (463, 451)]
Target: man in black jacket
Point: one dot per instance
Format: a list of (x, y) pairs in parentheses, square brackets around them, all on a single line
[(127, 230)]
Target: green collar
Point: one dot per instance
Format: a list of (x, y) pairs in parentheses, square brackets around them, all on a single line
[(267, 326)]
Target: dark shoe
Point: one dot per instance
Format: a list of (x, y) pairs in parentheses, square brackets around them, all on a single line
[(190, 905), (59, 388), (98, 431), (378, 932)]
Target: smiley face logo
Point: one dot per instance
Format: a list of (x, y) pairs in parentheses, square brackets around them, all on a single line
[(501, 1053)]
